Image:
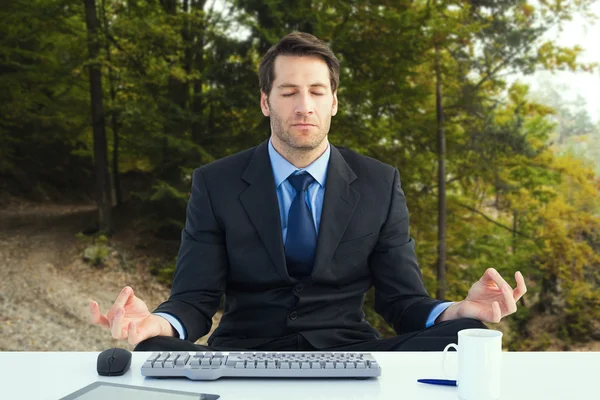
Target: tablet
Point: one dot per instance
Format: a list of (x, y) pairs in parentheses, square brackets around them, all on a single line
[(114, 391)]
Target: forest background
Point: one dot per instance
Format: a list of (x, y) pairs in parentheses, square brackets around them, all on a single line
[(107, 106)]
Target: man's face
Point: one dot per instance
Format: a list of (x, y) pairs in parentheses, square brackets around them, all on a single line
[(301, 103)]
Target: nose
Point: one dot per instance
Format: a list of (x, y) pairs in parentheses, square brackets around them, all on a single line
[(305, 105)]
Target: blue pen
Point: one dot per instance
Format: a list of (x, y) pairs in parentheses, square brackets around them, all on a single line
[(443, 382)]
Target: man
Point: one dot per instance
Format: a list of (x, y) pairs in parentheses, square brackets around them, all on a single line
[(294, 232)]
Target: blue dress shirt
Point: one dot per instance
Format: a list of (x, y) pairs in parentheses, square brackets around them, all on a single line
[(282, 168)]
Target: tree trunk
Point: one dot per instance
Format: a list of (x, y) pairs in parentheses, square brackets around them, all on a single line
[(114, 119), (197, 33), (441, 267), (177, 97), (103, 197), (115, 160)]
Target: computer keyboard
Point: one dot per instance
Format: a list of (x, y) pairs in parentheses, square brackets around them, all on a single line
[(215, 365)]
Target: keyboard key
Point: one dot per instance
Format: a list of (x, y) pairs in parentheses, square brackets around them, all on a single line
[(161, 359), (231, 362), (195, 362), (182, 360), (153, 357)]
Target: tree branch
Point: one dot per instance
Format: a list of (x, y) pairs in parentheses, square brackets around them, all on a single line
[(495, 222)]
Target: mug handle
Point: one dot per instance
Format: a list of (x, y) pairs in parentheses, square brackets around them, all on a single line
[(451, 345)]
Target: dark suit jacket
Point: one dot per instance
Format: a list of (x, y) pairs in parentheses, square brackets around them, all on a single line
[(232, 244)]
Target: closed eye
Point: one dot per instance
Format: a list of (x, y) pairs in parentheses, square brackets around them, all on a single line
[(291, 94)]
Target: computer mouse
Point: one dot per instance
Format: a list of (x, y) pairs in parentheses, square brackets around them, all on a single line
[(113, 362)]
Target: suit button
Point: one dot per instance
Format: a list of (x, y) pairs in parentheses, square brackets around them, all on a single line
[(299, 288), (293, 315)]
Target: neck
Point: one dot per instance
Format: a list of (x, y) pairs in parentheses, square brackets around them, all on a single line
[(299, 158)]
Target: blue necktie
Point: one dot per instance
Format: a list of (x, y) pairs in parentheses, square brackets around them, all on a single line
[(301, 238)]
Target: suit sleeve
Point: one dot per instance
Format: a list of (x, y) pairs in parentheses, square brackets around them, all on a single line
[(201, 271), (400, 295)]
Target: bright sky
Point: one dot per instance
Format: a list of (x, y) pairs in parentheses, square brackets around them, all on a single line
[(580, 31)]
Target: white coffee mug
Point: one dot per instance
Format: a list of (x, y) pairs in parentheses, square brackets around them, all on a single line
[(479, 364)]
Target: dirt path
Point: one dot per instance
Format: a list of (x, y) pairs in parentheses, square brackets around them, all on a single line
[(45, 287)]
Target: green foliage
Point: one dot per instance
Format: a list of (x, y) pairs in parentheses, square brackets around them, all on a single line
[(44, 108), (180, 89), (164, 270), (582, 311), (162, 209), (97, 251), (540, 343)]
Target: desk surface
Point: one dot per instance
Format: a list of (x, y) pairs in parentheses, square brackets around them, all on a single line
[(52, 375)]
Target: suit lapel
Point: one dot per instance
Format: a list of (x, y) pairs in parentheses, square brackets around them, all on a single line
[(261, 204), (339, 203)]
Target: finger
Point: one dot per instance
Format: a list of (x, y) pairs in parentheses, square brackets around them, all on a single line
[(134, 335), (521, 289), (122, 299), (116, 328), (498, 279), (487, 275), (96, 316), (491, 276), (509, 301), (140, 332), (496, 312)]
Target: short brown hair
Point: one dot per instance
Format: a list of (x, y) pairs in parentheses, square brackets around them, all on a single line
[(297, 44)]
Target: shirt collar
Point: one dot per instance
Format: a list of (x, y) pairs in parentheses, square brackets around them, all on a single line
[(282, 168)]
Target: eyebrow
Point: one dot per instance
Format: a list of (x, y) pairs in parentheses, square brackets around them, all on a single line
[(291, 85)]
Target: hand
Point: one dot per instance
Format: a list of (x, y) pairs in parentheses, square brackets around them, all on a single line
[(489, 300), (129, 318)]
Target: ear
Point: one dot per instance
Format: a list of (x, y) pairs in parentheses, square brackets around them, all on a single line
[(334, 106), (264, 104)]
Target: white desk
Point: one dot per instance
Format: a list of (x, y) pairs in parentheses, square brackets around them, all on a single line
[(525, 376)]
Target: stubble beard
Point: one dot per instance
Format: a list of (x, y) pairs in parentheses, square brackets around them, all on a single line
[(294, 145)]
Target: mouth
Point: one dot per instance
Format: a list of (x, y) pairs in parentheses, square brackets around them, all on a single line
[(303, 125)]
